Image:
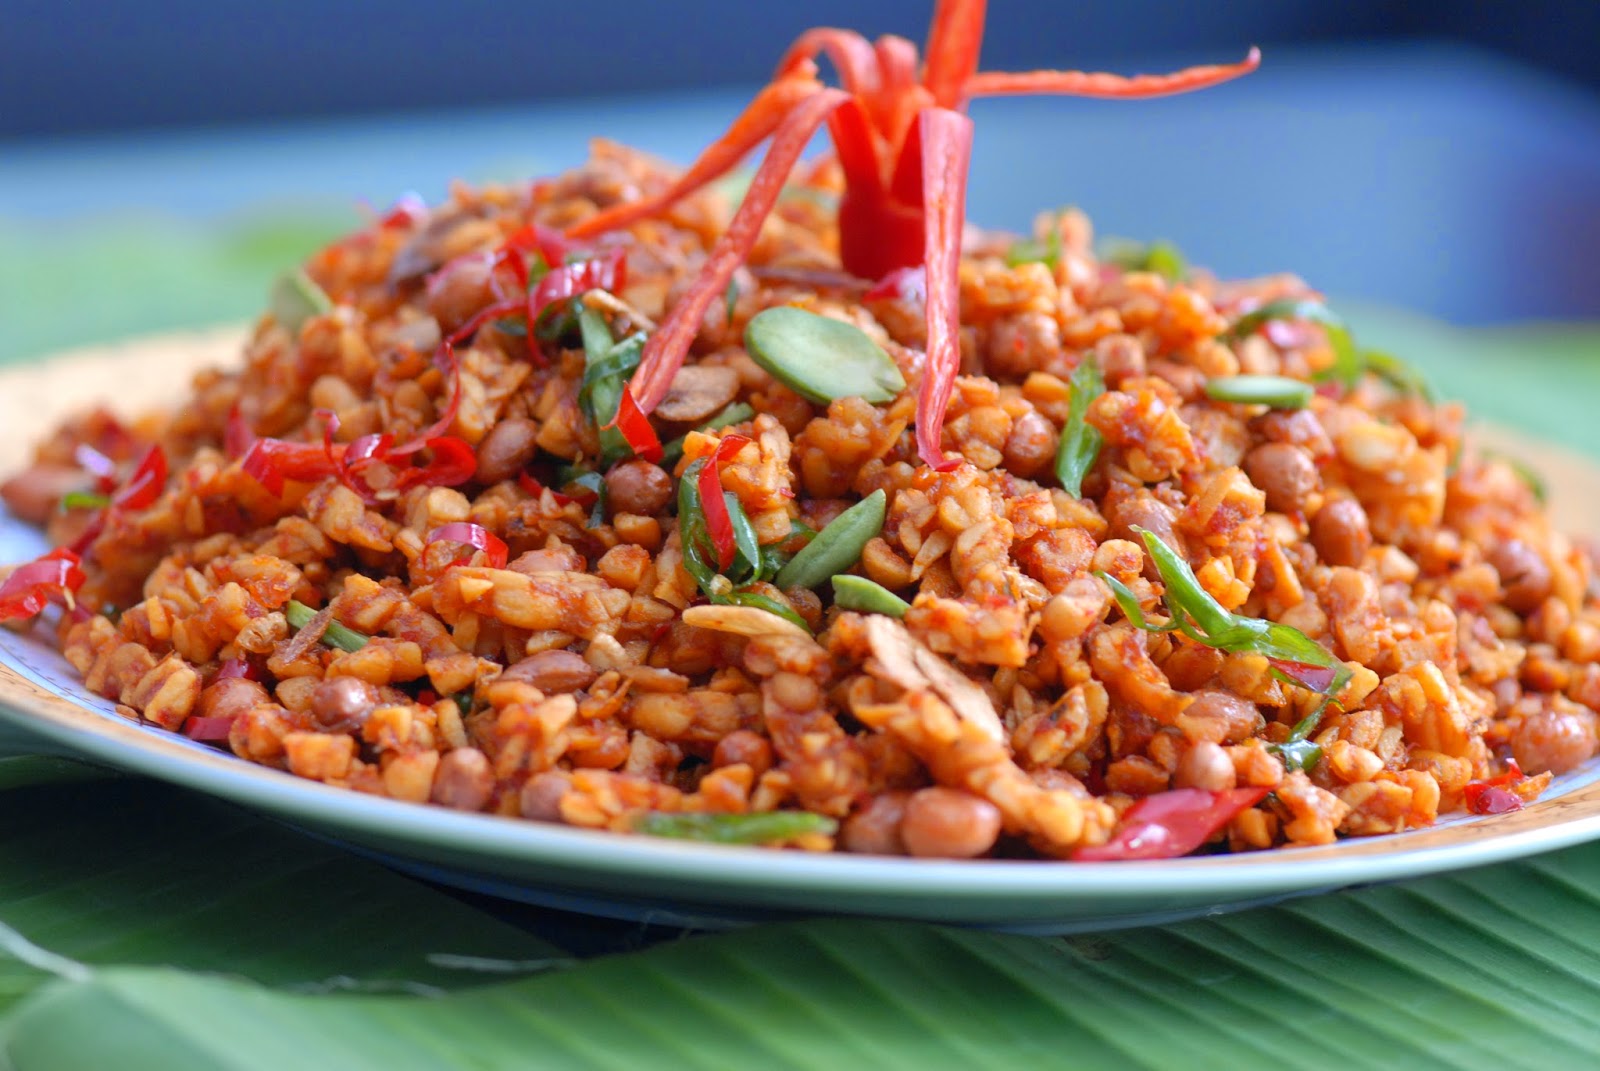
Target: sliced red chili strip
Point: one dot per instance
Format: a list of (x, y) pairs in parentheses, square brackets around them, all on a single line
[(32, 586), (473, 535), (636, 429), (535, 488), (719, 524), (1168, 825), (946, 147), (146, 483), (237, 435)]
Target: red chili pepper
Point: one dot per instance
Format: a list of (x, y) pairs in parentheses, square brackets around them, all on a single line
[(409, 210), (1168, 825), (535, 488), (719, 524), (1314, 677), (209, 730), (237, 667), (636, 429), (902, 146), (1494, 795), (145, 485), (473, 535), (427, 697), (30, 587), (237, 435)]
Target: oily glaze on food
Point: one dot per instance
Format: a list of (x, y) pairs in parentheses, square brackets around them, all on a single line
[(1175, 565)]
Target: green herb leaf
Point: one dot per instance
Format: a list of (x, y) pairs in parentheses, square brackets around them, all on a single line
[(821, 358), (299, 616), (851, 592), (730, 301), (838, 546), (1279, 392), (591, 481), (1128, 603), (84, 500), (1080, 440), (296, 299), (1348, 365), (755, 828), (1398, 374)]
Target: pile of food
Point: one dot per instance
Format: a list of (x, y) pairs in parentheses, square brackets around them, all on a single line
[(821, 526)]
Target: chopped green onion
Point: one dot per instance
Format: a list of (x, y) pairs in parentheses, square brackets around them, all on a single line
[(1299, 752), (733, 413), (742, 597), (296, 299), (607, 366), (1080, 440), (591, 481), (731, 300), (838, 546), (299, 616), (852, 592), (821, 358), (1163, 258), (1295, 657), (1349, 362), (84, 500), (761, 827), (1279, 392), (1033, 251), (1525, 472)]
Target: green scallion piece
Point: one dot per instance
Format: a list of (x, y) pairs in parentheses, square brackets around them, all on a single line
[(1080, 440), (84, 500), (1163, 258), (851, 592), (296, 299), (1278, 392), (820, 358), (336, 635), (763, 827)]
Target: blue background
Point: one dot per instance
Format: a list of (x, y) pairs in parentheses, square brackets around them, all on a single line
[(1440, 157)]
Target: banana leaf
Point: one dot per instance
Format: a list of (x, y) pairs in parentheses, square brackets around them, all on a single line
[(122, 871), (1495, 968)]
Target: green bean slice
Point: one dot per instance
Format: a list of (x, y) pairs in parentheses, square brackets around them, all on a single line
[(299, 616), (760, 827), (295, 299), (821, 358), (1278, 392), (851, 592), (838, 546)]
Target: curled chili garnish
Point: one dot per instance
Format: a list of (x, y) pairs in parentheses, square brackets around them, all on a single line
[(473, 535), (272, 461), (33, 585), (902, 144), (1171, 824), (719, 523)]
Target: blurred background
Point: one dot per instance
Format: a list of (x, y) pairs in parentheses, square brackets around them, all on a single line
[(161, 161)]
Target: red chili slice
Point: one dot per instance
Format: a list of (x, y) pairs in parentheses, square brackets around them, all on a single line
[(1316, 678), (719, 524), (636, 429), (236, 667), (1168, 825), (32, 586), (473, 535), (1494, 795), (209, 730)]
